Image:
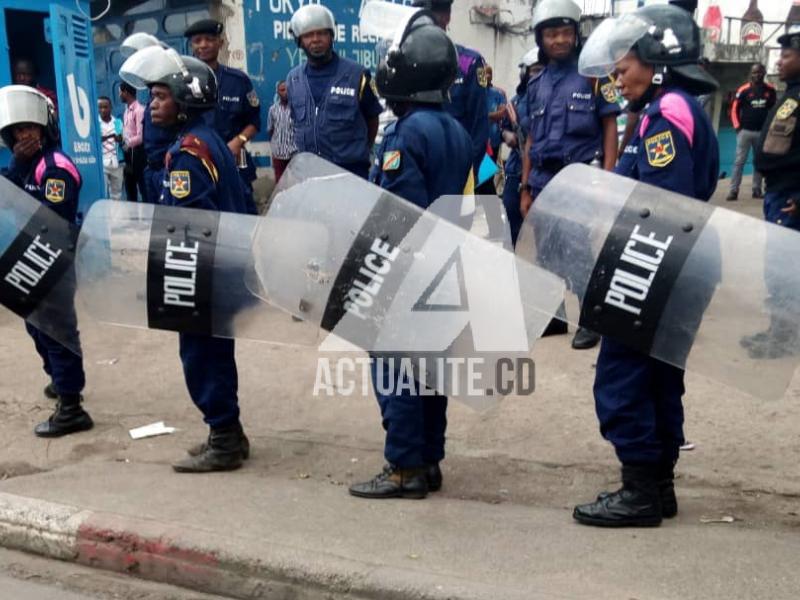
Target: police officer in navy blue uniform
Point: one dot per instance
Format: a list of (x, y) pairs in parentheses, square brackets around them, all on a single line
[(777, 157), (468, 95), (572, 118), (200, 172), (513, 129), (425, 154), (237, 117), (156, 141), (638, 398), (29, 127), (331, 98)]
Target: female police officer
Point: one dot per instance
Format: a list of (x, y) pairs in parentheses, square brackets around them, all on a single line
[(572, 118), (654, 53), (199, 172), (425, 154), (28, 126)]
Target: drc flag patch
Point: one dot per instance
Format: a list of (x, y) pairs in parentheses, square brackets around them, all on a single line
[(660, 149), (391, 160), (54, 190), (180, 184)]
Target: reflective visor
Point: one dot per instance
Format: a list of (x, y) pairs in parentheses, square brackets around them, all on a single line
[(609, 42)]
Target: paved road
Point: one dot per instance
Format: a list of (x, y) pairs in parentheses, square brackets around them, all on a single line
[(24, 590)]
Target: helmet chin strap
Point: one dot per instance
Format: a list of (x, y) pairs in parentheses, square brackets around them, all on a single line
[(658, 79)]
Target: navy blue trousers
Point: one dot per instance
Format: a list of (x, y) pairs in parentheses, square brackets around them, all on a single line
[(63, 366), (638, 403), (415, 425), (511, 196), (209, 367)]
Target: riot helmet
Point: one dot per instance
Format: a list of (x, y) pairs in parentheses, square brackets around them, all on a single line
[(661, 35), (23, 104), (137, 41), (192, 83), (421, 64), (554, 13), (311, 17)]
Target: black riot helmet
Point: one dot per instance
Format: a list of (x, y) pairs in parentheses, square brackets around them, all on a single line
[(420, 66), (192, 82), (672, 44)]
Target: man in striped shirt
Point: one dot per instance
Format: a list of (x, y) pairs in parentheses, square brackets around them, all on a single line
[(281, 131)]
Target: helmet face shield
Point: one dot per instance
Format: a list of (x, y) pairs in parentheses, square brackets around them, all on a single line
[(609, 42), (138, 41), (151, 65), (21, 104)]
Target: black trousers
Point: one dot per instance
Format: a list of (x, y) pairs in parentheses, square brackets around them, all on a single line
[(133, 174)]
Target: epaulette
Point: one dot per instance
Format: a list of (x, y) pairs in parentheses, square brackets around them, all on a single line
[(198, 148)]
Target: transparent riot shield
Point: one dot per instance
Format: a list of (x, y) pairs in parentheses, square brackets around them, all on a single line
[(37, 276), (697, 286), (401, 282), (179, 269)]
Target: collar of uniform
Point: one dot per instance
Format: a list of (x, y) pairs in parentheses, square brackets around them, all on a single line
[(331, 64)]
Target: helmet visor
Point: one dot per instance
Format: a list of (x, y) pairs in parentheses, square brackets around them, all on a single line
[(150, 65), (609, 42), (138, 41), (22, 104)]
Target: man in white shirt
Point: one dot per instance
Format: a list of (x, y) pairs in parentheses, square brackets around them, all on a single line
[(111, 135)]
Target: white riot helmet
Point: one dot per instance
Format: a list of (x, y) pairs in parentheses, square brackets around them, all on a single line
[(22, 104), (311, 17), (554, 13), (137, 41), (530, 58)]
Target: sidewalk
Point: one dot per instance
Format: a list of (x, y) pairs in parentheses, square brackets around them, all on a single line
[(285, 528)]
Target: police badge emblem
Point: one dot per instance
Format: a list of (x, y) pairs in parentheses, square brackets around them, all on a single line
[(252, 98), (609, 92), (55, 190), (787, 108), (660, 149), (180, 184)]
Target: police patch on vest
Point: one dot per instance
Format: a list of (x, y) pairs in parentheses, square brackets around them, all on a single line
[(609, 92), (391, 160), (252, 98), (180, 184), (483, 80), (786, 109), (55, 190), (660, 149)]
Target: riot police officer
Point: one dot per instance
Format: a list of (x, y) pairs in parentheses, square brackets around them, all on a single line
[(638, 398), (424, 154), (572, 118), (513, 128), (333, 104), (199, 172), (777, 157), (468, 95), (29, 127), (237, 117)]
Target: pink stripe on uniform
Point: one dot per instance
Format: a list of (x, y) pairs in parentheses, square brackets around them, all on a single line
[(676, 110), (62, 162)]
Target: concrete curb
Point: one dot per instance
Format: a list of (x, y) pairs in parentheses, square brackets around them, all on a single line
[(207, 562)]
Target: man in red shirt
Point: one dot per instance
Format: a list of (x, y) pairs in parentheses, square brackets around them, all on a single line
[(749, 110)]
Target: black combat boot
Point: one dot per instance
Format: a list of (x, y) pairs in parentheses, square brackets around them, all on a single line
[(666, 489), (394, 482), (198, 449), (68, 418), (585, 339), (224, 451), (50, 391), (434, 476), (636, 504)]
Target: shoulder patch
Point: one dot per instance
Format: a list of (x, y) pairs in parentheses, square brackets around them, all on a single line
[(391, 160), (480, 74), (609, 92), (786, 109), (180, 184), (252, 98), (55, 190), (660, 149), (374, 87)]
